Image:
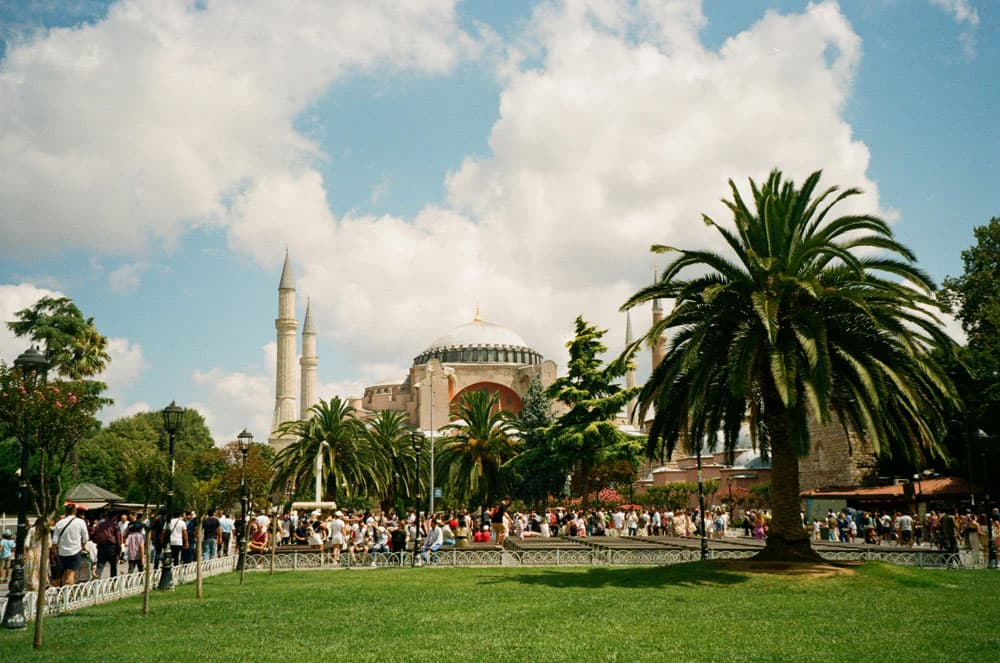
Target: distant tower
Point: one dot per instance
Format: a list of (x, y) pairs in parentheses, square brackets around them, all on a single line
[(307, 364), (660, 347), (284, 385), (630, 376)]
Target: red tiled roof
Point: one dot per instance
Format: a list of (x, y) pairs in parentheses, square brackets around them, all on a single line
[(931, 487)]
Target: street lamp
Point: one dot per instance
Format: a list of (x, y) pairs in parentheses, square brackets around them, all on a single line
[(701, 505), (430, 373), (417, 440), (33, 366), (982, 437), (243, 439), (172, 416)]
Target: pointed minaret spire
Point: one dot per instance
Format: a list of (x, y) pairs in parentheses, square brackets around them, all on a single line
[(477, 318), (287, 280), (307, 324), (307, 365)]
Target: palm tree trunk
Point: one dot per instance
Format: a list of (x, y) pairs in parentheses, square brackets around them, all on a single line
[(787, 540)]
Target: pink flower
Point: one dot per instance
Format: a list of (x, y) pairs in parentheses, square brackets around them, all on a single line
[(72, 398), (58, 405)]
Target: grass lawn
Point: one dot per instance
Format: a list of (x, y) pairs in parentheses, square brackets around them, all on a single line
[(687, 612)]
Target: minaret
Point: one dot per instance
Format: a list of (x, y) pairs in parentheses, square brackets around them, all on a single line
[(660, 347), (307, 364), (284, 379), (630, 375)]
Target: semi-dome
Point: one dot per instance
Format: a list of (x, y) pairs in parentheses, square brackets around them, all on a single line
[(479, 341)]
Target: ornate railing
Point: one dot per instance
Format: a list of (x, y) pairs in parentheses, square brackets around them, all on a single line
[(81, 595)]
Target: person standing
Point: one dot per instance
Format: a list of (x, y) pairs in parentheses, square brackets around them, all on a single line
[(134, 544), (108, 537), (211, 529), (68, 539), (177, 536), (500, 521), (226, 530)]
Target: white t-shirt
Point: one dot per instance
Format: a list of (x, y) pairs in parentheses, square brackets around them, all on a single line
[(177, 527), (70, 535), (618, 518)]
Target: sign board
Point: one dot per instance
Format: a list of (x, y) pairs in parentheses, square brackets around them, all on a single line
[(437, 491)]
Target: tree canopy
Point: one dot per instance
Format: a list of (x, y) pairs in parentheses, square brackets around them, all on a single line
[(807, 316), (586, 438)]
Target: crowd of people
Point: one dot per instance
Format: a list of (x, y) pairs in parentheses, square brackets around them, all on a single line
[(940, 530), (112, 539)]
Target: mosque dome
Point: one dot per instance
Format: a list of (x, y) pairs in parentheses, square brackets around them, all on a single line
[(479, 342)]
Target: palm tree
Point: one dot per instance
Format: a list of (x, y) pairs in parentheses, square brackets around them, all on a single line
[(349, 460), (478, 448), (388, 434), (809, 318)]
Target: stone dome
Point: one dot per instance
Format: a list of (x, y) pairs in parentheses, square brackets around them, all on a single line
[(479, 341)]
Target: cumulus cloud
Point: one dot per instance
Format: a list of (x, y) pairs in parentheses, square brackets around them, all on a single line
[(965, 15), (165, 109), (617, 128)]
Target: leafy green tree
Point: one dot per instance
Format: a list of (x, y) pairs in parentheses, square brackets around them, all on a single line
[(537, 473), (258, 473), (975, 299), (587, 436), (48, 419), (350, 463), (100, 458), (808, 317), (478, 446), (72, 344)]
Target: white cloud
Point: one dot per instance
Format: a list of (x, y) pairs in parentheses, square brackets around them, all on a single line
[(127, 278), (14, 298), (605, 144), (963, 14), (617, 128), (145, 122)]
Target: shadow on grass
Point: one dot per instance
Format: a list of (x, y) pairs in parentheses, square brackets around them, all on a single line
[(679, 575)]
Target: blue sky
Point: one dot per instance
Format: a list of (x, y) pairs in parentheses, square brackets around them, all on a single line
[(159, 159)]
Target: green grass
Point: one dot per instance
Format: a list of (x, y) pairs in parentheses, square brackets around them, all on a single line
[(687, 612)]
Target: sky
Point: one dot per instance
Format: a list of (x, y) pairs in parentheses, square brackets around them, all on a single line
[(419, 159)]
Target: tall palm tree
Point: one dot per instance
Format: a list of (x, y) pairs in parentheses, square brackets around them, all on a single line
[(810, 317), (349, 460), (388, 434), (479, 446)]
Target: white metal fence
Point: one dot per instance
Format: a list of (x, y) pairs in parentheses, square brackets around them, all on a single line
[(83, 594)]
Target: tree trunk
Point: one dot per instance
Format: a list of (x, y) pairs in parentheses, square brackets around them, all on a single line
[(43, 584), (199, 536), (787, 540)]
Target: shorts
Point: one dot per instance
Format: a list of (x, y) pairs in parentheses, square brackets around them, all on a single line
[(70, 563), (5, 563), (498, 528)]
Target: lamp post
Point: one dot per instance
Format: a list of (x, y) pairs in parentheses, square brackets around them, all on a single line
[(982, 437), (33, 366), (243, 439), (701, 505), (417, 440), (172, 416), (319, 470)]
